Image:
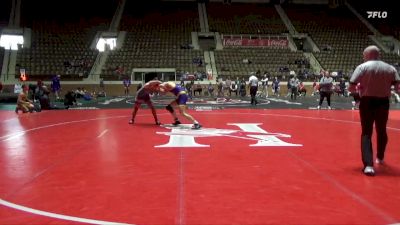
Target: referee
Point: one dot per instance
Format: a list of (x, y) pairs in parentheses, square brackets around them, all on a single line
[(253, 83), (375, 78)]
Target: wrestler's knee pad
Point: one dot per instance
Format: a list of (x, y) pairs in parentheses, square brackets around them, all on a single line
[(169, 108)]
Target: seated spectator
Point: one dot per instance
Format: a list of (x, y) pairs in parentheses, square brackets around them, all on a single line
[(283, 69), (101, 94), (327, 48), (246, 61), (44, 97), (79, 92), (233, 88), (315, 88), (186, 46), (302, 89), (200, 75), (198, 61), (38, 91), (69, 99), (88, 96)]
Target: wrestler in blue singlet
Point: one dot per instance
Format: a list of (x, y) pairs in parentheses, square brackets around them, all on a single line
[(181, 94)]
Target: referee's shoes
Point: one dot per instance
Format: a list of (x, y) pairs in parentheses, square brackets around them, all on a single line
[(369, 171)]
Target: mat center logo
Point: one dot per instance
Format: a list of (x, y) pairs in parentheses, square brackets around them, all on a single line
[(184, 136)]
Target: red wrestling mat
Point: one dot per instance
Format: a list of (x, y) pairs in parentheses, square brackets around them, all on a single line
[(245, 167)]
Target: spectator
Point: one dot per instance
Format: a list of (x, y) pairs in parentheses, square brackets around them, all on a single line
[(18, 88), (342, 87), (119, 70), (228, 83), (45, 99), (127, 83), (276, 86), (289, 89), (220, 88), (69, 99), (56, 85), (315, 87), (197, 88), (102, 86), (246, 61), (38, 91), (198, 61), (302, 89), (264, 85), (88, 96), (233, 88), (210, 89), (189, 88), (79, 92), (242, 88)]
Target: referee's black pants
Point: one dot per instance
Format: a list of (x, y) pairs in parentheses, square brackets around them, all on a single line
[(373, 110), (253, 93), (322, 95)]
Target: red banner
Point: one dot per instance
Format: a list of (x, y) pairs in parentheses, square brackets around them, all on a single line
[(247, 42)]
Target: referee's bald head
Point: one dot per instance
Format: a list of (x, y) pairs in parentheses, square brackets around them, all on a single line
[(371, 53)]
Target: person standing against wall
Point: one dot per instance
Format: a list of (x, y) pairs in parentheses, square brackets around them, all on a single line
[(127, 83), (56, 86)]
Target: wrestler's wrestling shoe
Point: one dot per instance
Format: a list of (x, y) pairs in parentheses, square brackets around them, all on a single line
[(176, 123), (131, 121), (369, 171), (158, 123), (379, 161), (196, 126)]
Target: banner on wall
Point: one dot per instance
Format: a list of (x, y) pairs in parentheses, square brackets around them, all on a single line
[(247, 42)]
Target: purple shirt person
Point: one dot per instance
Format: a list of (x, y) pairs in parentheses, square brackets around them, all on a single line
[(56, 85), (127, 83)]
